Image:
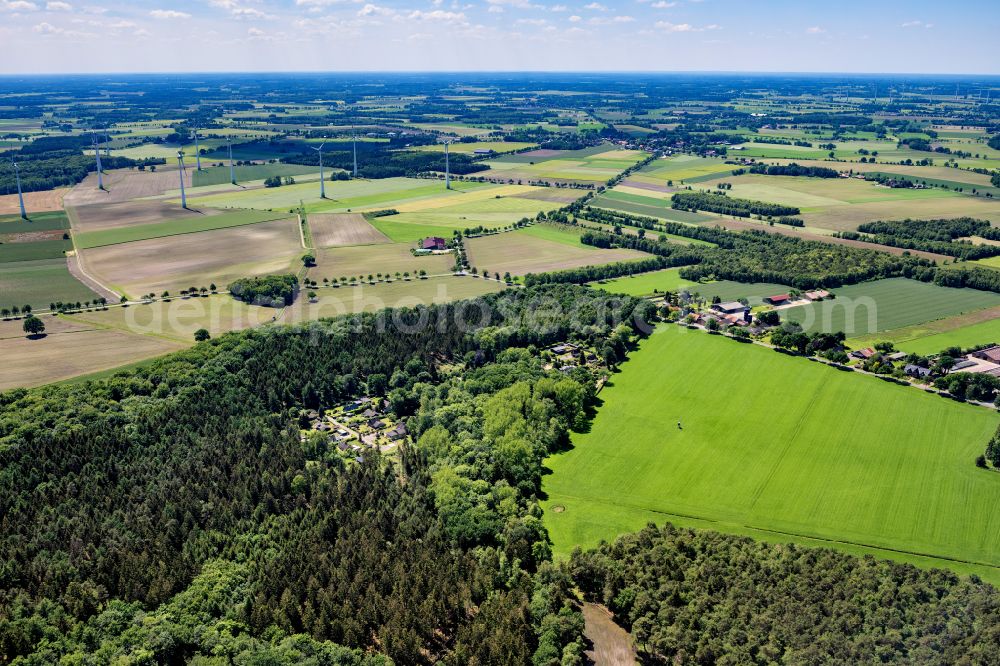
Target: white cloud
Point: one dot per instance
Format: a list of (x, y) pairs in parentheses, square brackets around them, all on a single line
[(437, 15), (168, 14), (526, 21), (815, 30), (559, 8), (375, 10), (518, 4), (596, 7), (495, 9), (683, 27), (255, 32), (574, 19), (19, 6), (58, 7), (47, 29), (601, 20), (916, 24), (663, 4)]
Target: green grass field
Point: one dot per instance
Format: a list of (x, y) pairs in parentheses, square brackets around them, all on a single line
[(883, 305), (92, 239), (12, 224), (669, 279), (33, 251), (219, 175), (978, 327), (782, 449), (38, 283), (646, 206)]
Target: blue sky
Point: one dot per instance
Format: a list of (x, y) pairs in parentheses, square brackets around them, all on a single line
[(636, 35)]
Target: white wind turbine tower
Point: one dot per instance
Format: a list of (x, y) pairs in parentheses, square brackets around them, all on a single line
[(97, 155), (197, 152), (20, 195), (232, 170), (322, 183), (180, 170)]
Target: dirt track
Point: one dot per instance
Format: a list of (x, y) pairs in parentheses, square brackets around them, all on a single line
[(611, 645)]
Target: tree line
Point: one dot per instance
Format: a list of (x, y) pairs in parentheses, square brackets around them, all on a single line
[(726, 205)]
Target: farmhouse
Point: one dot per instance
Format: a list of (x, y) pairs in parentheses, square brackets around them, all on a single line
[(862, 354), (780, 299), (916, 370), (733, 311), (433, 243), (817, 295), (977, 365)]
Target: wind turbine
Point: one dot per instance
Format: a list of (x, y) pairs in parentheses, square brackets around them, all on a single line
[(197, 152), (107, 143), (20, 195), (97, 154), (322, 183), (447, 167), (180, 170), (232, 170)]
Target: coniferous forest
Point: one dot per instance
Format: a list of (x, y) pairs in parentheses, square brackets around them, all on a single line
[(173, 514)]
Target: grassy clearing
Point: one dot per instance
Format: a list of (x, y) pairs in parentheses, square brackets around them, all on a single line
[(469, 148), (220, 175), (13, 224), (965, 330), (771, 456), (530, 251), (92, 239), (179, 318), (884, 305), (669, 279), (38, 283)]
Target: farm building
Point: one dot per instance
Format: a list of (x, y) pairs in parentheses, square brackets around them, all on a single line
[(780, 299), (977, 365), (862, 354), (733, 309), (817, 295), (991, 354), (433, 243), (916, 371)]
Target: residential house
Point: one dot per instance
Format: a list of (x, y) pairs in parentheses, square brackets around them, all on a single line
[(433, 243), (863, 354), (916, 371), (991, 354)]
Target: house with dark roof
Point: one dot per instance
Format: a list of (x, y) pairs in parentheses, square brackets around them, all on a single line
[(862, 354), (991, 354), (916, 371), (433, 243)]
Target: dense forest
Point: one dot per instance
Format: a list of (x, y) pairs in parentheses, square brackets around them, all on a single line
[(726, 205), (794, 169), (270, 290), (945, 237), (702, 598), (182, 491)]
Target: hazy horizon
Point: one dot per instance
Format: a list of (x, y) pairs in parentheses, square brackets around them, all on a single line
[(641, 36)]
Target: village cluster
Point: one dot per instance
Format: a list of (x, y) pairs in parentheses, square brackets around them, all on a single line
[(360, 425)]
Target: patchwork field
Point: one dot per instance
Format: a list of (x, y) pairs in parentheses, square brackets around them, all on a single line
[(589, 165), (386, 258), (332, 302), (469, 148), (38, 283), (125, 185), (339, 229), (71, 351), (210, 175), (197, 259), (884, 305), (538, 249), (208, 220), (342, 196), (682, 169), (178, 318), (772, 456), (34, 202), (977, 327)]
